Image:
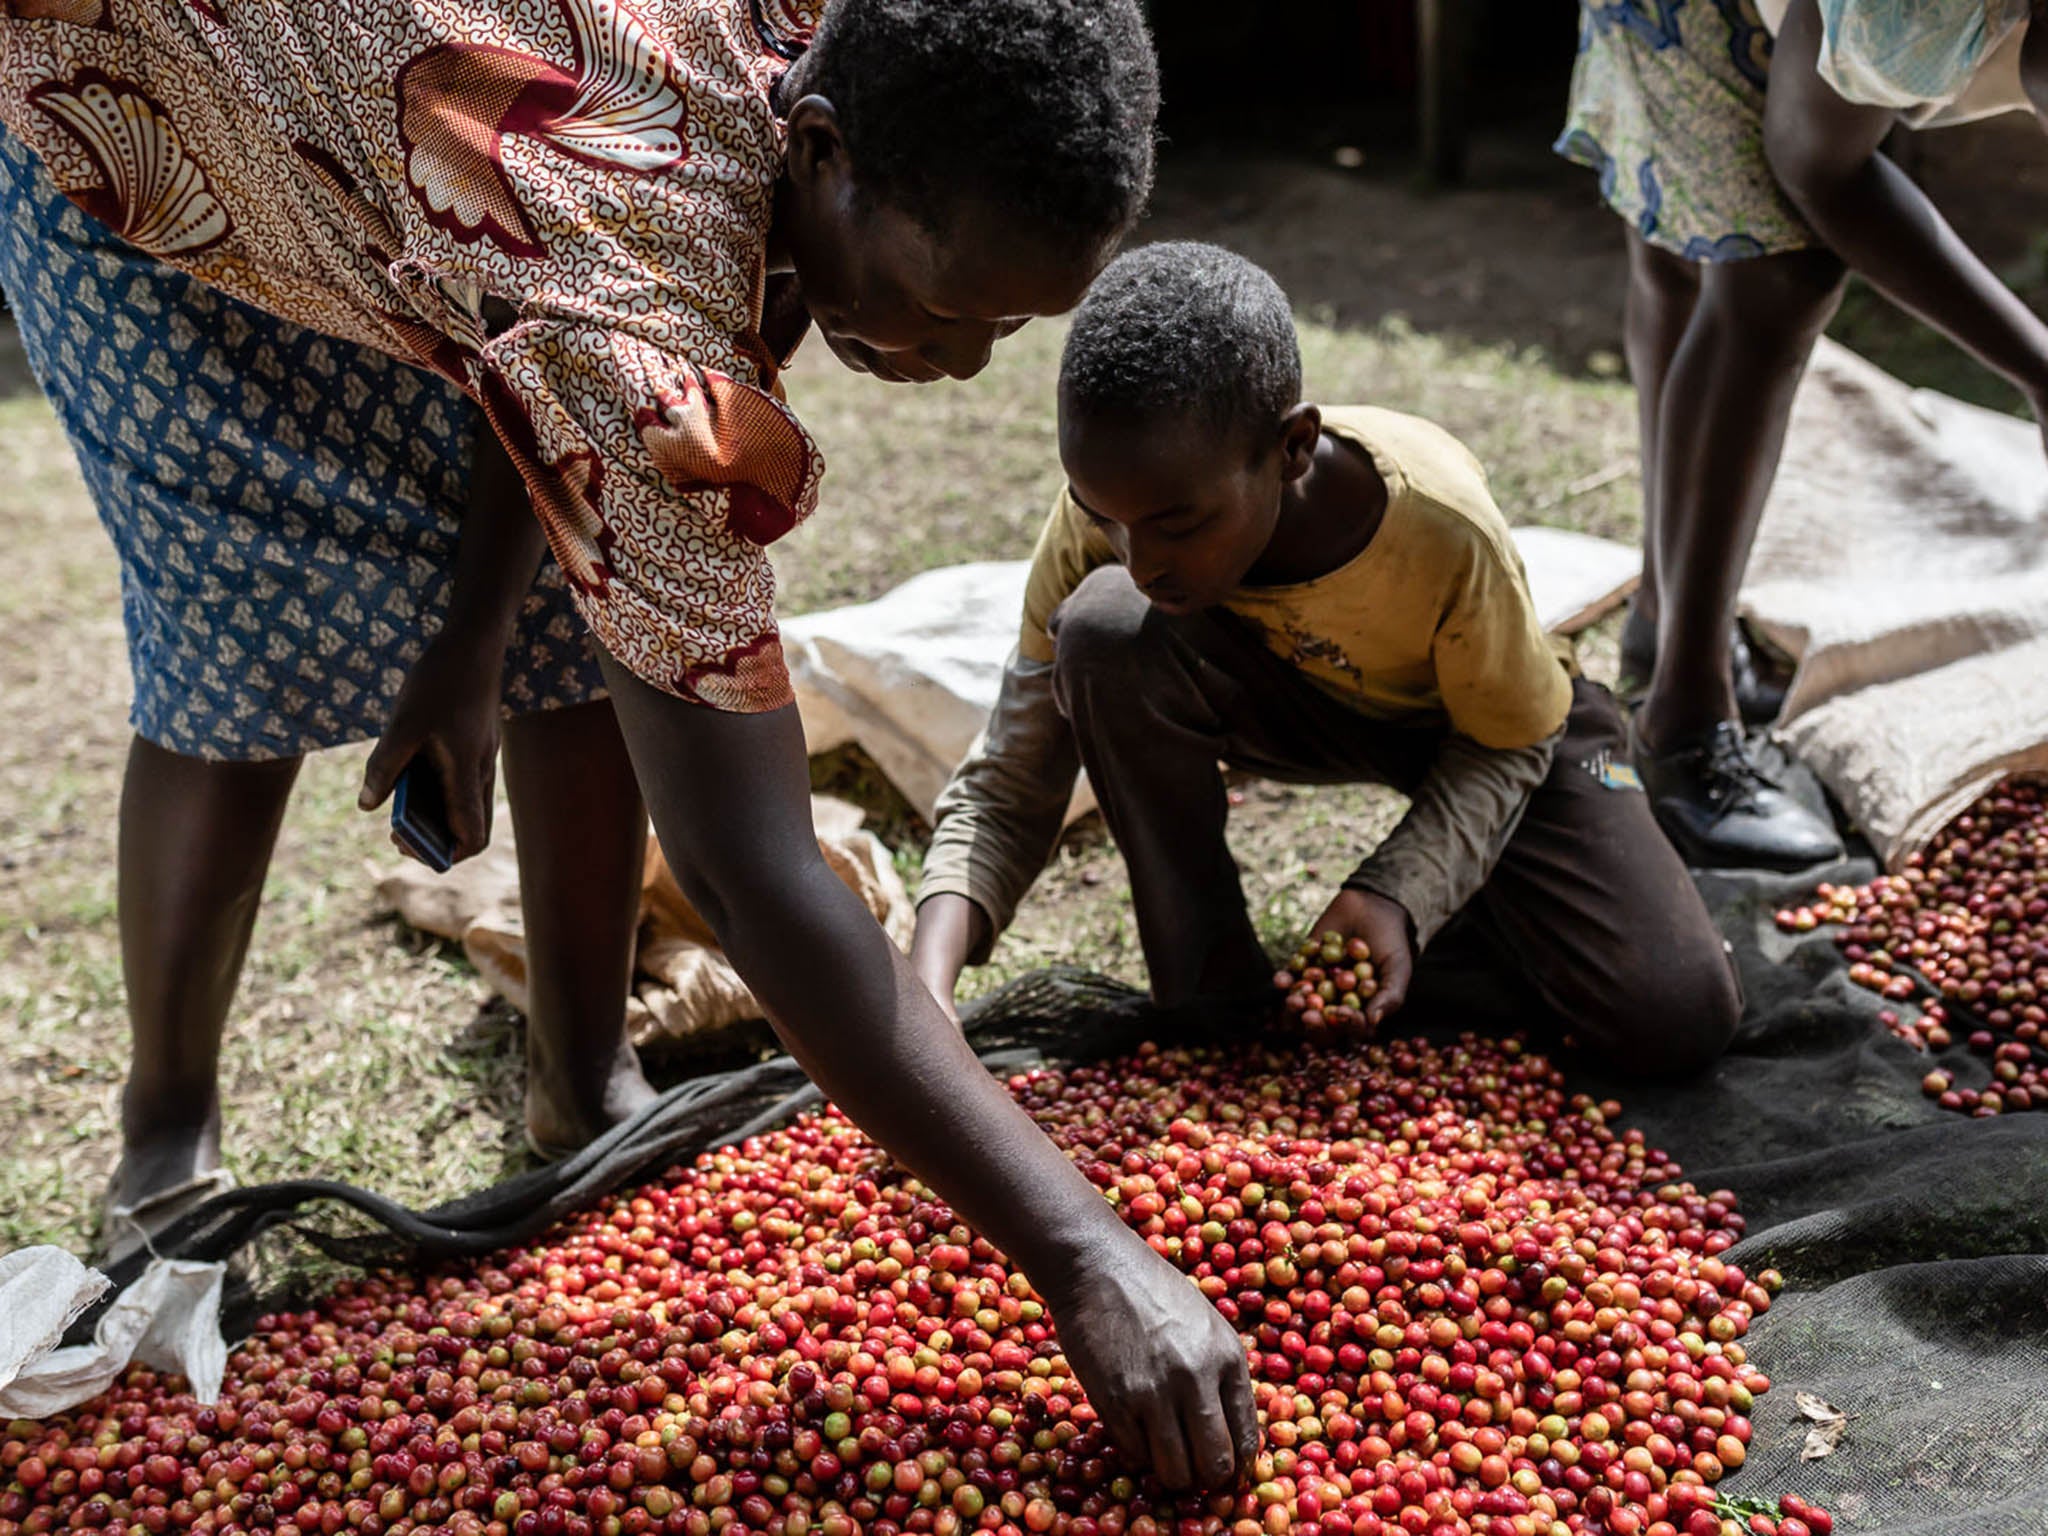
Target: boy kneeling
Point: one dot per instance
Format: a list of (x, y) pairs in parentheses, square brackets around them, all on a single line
[(1316, 595)]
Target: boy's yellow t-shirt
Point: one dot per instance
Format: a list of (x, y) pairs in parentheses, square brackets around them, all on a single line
[(1431, 623)]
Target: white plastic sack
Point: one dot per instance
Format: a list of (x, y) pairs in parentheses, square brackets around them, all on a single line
[(1903, 559), (1576, 578), (912, 676), (168, 1320)]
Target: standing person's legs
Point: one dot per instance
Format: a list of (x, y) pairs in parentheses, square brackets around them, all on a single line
[(211, 767), (1592, 905), (1727, 401), (195, 844), (1668, 110), (582, 837), (1156, 703), (1721, 426), (581, 832), (1662, 291), (1663, 294)]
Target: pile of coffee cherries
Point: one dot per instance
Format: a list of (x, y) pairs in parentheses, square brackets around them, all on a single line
[(1964, 923), (1327, 983), (1469, 1303)]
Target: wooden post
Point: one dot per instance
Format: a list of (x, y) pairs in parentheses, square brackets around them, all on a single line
[(1441, 32)]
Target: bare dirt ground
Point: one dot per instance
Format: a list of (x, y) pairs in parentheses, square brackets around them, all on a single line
[(360, 1051)]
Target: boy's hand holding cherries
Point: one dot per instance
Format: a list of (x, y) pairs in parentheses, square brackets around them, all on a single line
[(1353, 970)]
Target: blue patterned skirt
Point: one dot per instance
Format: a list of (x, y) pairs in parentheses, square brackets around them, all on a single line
[(1667, 105), (285, 505)]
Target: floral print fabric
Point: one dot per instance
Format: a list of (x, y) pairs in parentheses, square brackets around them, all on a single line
[(1667, 106), (374, 169)]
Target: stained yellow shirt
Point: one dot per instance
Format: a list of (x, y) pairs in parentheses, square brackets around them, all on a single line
[(1431, 623)]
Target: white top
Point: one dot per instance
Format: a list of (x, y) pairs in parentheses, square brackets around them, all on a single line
[(1936, 62)]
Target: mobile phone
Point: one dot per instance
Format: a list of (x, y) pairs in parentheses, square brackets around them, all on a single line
[(419, 815)]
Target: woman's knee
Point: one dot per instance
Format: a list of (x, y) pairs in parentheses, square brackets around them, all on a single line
[(1783, 301)]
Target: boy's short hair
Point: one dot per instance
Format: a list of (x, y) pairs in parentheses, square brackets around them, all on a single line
[(1187, 329), (1041, 110)]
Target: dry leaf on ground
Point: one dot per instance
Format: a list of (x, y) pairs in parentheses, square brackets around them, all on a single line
[(1819, 1410), (1822, 1439), (1829, 1424)]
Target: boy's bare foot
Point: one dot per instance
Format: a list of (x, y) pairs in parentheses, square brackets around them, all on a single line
[(571, 1103)]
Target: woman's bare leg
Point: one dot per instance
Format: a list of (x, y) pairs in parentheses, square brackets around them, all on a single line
[(195, 843), (582, 836), (1662, 291)]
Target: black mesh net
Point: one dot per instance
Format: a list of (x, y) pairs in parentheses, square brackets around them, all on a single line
[(1913, 1241)]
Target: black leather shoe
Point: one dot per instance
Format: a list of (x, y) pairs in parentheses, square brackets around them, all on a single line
[(1759, 698), (1723, 811)]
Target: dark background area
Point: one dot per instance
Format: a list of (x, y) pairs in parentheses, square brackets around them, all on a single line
[(1292, 134), (1328, 72)]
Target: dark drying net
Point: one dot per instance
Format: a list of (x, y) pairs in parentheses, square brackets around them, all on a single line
[(1914, 1242)]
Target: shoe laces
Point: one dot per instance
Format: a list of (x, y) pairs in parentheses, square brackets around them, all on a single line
[(1732, 778)]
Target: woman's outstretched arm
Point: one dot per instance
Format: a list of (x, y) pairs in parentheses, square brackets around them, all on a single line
[(730, 798)]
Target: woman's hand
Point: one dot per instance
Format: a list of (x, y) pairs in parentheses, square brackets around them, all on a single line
[(1387, 932), (447, 711), (1163, 1368)]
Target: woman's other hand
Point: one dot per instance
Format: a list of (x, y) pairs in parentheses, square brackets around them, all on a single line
[(448, 712)]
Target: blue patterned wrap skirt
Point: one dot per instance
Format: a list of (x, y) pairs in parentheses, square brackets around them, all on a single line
[(285, 505), (1667, 105)]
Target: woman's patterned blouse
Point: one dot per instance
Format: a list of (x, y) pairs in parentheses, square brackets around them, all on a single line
[(376, 168)]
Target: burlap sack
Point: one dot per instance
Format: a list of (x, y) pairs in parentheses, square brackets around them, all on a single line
[(685, 991)]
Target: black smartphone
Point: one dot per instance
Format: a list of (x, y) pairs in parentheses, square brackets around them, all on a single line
[(419, 815)]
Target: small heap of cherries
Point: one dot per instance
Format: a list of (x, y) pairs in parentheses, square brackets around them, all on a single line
[(1327, 984), (1964, 925)]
